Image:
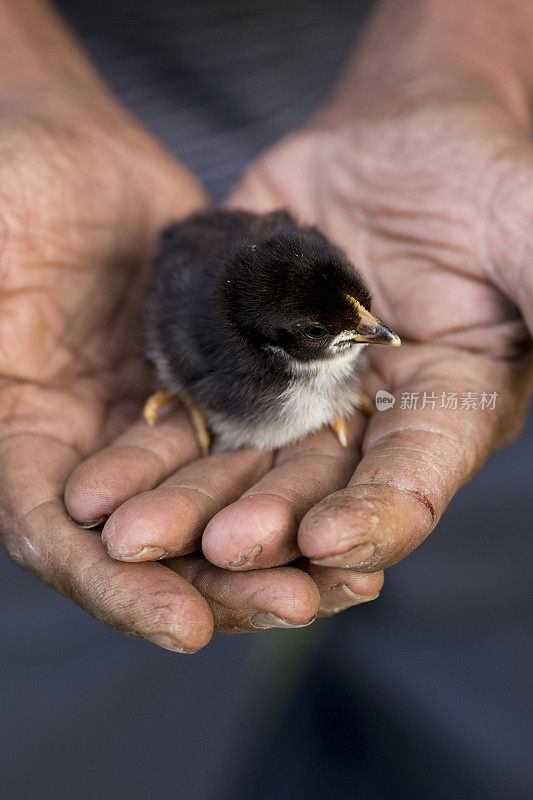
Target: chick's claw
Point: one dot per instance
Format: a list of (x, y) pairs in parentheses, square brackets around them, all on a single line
[(153, 404), (201, 431), (364, 404), (341, 431), (197, 419)]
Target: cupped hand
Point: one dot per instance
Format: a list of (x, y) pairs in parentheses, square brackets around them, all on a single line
[(159, 501), (432, 200), (431, 204), (81, 203)]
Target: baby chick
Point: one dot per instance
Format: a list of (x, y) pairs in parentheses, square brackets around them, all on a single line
[(258, 325)]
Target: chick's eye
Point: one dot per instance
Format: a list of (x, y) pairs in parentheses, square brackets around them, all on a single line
[(313, 331)]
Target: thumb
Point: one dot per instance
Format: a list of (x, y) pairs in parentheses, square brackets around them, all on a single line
[(509, 228)]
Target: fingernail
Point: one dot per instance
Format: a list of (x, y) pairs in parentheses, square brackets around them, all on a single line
[(245, 558), (147, 553), (339, 598), (351, 559), (165, 641), (86, 526), (265, 619)]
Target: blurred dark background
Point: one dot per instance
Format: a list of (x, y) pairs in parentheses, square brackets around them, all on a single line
[(425, 693)]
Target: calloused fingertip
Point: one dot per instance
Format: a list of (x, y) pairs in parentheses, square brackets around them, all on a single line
[(146, 553)]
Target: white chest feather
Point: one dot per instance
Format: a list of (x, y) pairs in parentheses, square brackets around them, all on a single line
[(318, 392)]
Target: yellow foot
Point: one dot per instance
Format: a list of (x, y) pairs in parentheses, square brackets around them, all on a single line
[(161, 398), (201, 431), (364, 404), (340, 430), (153, 404)]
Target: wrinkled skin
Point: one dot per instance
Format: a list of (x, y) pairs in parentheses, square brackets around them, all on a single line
[(81, 203), (432, 202)]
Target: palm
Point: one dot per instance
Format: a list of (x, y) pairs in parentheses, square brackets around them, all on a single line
[(411, 200), (77, 239), (79, 216), (400, 212), (81, 213)]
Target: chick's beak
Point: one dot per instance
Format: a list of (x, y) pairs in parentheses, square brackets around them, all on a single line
[(372, 331)]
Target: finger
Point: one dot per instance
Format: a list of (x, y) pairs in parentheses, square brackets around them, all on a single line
[(509, 227), (413, 462), (144, 600), (170, 519), (343, 588), (136, 461), (283, 597), (260, 529)]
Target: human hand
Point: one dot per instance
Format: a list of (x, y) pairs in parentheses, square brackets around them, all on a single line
[(81, 209), (83, 194), (472, 330), (381, 186), (430, 195)]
